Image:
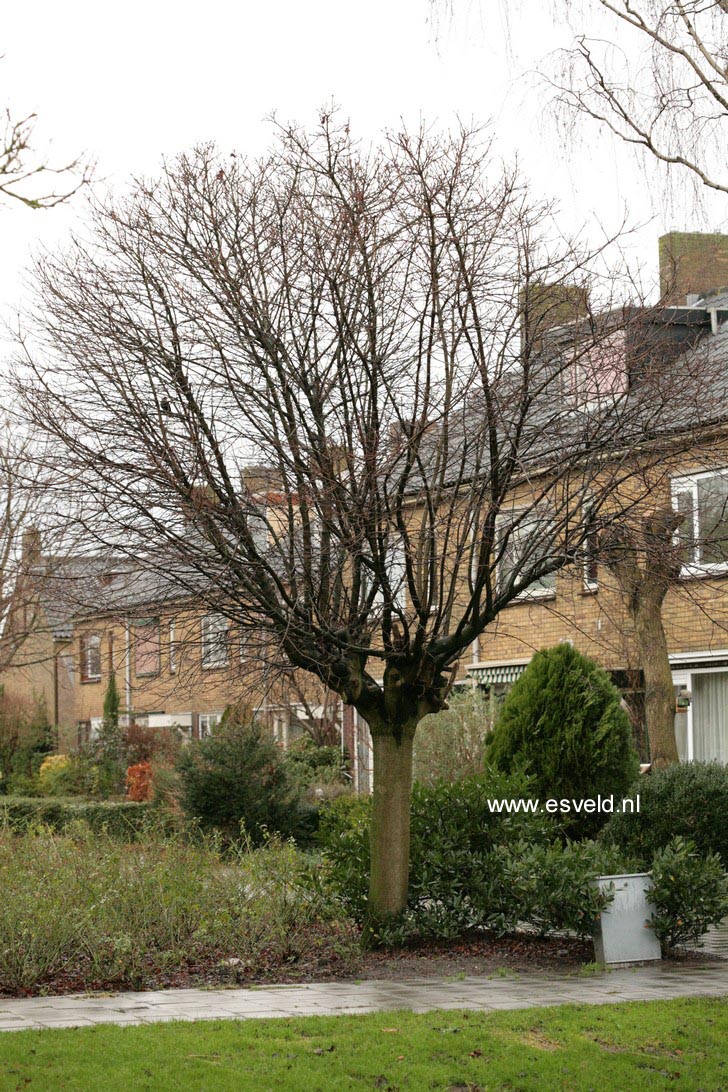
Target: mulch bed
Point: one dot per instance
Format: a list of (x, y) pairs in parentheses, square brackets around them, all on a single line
[(477, 954)]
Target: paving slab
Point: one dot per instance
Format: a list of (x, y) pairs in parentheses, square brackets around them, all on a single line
[(480, 993)]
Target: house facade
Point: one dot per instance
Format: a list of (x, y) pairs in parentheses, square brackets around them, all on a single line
[(178, 664)]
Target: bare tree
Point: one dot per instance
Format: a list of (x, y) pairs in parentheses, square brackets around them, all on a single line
[(25, 178), (368, 328), (666, 91), (19, 509)]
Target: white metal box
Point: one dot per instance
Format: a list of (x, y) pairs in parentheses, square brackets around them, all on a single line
[(624, 934)]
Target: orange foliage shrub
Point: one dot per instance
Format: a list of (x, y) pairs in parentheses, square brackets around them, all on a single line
[(139, 782)]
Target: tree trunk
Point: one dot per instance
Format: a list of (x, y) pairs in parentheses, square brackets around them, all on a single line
[(390, 831), (659, 689)]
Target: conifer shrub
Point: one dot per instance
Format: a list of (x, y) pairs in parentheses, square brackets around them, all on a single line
[(562, 723), (235, 781)]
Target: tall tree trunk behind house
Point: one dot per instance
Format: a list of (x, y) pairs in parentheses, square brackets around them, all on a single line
[(646, 566)]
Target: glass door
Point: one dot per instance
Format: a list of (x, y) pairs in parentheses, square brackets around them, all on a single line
[(710, 716)]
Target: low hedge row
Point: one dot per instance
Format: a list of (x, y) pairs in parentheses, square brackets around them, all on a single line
[(120, 819), (689, 799)]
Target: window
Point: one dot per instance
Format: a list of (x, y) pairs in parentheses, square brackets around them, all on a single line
[(703, 534), (525, 545), (590, 551), (147, 652), (172, 647), (91, 657), (397, 573), (207, 721), (396, 566), (214, 641)]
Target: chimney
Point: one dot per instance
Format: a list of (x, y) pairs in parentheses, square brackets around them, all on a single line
[(546, 306), (31, 547), (261, 480), (691, 264)]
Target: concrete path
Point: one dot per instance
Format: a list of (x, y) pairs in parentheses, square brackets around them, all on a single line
[(656, 982)]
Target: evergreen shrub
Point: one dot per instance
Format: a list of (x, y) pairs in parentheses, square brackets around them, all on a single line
[(235, 781), (562, 723), (689, 799)]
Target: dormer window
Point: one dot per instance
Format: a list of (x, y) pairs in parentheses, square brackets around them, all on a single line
[(599, 373)]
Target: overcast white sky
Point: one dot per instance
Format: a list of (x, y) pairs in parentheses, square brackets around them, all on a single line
[(127, 84)]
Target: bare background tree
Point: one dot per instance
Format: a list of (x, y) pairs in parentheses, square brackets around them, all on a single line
[(319, 393), (666, 91), (29, 179), (20, 501)]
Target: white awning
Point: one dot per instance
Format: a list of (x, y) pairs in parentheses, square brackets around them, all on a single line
[(489, 674)]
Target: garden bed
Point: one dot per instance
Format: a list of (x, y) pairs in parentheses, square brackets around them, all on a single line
[(470, 956)]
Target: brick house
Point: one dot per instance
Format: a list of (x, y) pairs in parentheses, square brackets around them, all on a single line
[(178, 665)]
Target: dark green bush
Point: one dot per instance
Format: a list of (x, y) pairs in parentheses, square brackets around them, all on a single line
[(690, 893), (235, 780), (563, 724), (689, 799), (25, 739), (470, 867), (122, 820)]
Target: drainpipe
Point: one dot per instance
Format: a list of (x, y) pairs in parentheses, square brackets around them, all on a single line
[(713, 312), (127, 670)]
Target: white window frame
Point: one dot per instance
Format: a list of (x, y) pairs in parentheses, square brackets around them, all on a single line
[(214, 633), (397, 577), (588, 584), (685, 483), (172, 647), (206, 722), (536, 590), (86, 649)]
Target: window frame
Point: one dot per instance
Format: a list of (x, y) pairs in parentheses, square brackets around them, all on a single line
[(172, 646), (689, 483), (207, 641), (588, 558), (533, 591), (211, 720), (85, 675)]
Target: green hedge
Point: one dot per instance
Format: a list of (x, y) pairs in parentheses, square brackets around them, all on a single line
[(689, 800), (120, 819)]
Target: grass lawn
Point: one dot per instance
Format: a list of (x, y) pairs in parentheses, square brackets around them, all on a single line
[(638, 1045)]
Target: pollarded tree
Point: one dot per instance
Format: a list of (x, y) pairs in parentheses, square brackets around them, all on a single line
[(367, 328)]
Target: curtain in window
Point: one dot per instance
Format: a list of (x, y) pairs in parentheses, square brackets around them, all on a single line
[(681, 734), (710, 716)]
